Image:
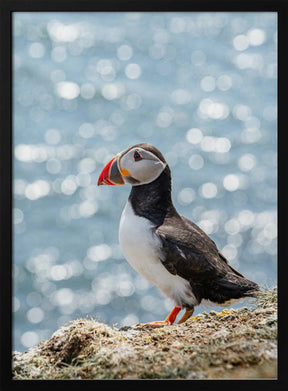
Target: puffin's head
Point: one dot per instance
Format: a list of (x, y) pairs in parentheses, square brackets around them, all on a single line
[(137, 165)]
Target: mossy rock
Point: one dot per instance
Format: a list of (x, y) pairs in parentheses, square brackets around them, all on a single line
[(231, 344)]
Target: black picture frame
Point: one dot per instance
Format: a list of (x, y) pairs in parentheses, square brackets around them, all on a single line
[(10, 6)]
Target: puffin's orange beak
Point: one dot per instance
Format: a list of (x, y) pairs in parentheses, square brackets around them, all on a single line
[(111, 174)]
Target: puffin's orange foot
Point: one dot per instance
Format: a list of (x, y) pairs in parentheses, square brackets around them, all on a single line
[(187, 315), (167, 322), (155, 324)]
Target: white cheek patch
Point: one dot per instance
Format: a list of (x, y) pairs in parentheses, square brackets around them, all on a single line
[(149, 171), (143, 171)]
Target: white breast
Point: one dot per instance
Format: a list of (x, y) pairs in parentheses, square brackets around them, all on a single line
[(141, 246)]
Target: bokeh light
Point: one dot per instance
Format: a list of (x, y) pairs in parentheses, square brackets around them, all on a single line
[(200, 86)]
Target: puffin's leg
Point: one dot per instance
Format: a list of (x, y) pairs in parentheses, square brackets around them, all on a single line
[(168, 321), (173, 314), (186, 316)]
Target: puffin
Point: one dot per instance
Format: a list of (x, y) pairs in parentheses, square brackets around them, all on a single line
[(168, 249)]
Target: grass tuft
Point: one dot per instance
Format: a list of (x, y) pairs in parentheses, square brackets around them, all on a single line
[(231, 344)]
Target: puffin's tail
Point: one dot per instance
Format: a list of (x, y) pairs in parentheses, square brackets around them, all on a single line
[(233, 285), (238, 285), (230, 287)]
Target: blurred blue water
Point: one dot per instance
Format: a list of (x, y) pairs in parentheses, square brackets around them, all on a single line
[(202, 87)]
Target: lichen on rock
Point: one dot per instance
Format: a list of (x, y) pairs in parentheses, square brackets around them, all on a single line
[(231, 344)]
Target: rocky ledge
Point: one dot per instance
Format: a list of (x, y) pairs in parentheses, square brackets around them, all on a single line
[(231, 344)]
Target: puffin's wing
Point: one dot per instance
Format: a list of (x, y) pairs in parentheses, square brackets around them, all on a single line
[(189, 252), (193, 226)]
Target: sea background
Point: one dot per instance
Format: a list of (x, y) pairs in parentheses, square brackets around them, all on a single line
[(201, 87)]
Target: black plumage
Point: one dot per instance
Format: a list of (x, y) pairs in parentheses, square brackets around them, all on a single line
[(186, 249)]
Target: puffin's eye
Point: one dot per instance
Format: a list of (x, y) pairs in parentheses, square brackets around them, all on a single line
[(137, 156)]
